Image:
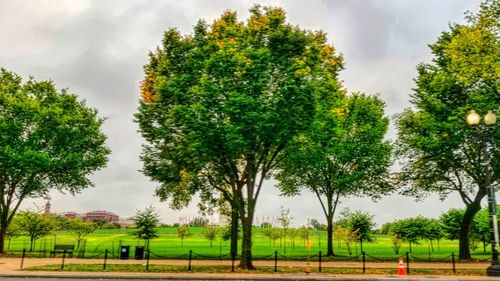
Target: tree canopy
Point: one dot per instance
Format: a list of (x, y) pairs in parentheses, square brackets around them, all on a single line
[(219, 106), (438, 150), (342, 154), (49, 141), (145, 223)]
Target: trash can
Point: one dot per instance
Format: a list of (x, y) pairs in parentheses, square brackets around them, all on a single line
[(124, 252), (139, 252)]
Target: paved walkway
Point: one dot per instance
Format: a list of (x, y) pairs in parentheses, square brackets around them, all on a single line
[(11, 267)]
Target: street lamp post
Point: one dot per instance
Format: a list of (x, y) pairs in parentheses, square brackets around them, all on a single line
[(486, 139)]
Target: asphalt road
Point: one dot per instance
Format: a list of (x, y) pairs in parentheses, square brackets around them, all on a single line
[(246, 279)]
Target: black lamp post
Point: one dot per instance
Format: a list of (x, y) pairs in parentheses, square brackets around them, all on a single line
[(486, 140)]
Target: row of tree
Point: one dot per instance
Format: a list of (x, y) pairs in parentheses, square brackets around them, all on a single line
[(236, 103), (35, 226)]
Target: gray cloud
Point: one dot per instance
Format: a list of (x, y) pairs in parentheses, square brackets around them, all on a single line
[(97, 49)]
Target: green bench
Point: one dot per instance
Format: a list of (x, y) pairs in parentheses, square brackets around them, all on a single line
[(61, 248)]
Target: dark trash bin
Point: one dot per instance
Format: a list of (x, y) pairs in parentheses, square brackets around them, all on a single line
[(124, 252), (139, 252)]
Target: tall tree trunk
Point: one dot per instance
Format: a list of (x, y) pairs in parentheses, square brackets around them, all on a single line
[(329, 232), (31, 243), (3, 234), (246, 244), (234, 230), (465, 227), (361, 245)]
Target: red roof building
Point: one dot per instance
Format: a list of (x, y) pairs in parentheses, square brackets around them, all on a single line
[(99, 215)]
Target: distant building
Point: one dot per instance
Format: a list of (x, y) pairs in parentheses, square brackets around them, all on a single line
[(47, 208), (100, 215), (126, 223), (72, 215)]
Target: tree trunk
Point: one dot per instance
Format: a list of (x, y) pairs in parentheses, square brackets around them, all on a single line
[(31, 243), (234, 230), (246, 244), (3, 234), (361, 245), (329, 231), (410, 246), (465, 226)]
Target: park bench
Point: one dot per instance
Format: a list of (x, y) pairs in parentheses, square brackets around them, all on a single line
[(60, 248)]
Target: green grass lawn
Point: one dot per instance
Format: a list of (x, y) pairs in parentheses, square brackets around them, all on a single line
[(168, 245)]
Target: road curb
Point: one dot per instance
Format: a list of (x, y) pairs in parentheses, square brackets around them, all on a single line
[(282, 277)]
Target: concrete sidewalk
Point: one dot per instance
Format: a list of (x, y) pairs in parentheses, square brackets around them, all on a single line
[(10, 267)]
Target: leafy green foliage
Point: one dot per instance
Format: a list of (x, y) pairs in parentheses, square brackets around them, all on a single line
[(198, 221), (210, 233), (343, 154), (49, 141), (145, 224), (34, 225), (80, 229), (359, 222), (439, 152), (219, 106), (183, 232)]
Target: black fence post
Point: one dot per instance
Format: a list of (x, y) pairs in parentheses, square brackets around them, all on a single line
[(64, 257), (22, 258), (105, 259), (453, 262), (275, 261), (364, 262), (319, 261), (407, 263), (233, 257), (147, 259), (190, 257)]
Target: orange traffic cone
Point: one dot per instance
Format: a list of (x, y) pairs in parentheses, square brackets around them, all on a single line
[(308, 268), (401, 267)]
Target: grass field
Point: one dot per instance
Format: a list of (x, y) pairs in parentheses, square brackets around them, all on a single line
[(168, 245)]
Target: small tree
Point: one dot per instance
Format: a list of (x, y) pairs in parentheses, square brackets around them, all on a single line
[(360, 223), (451, 221), (292, 233), (80, 229), (348, 236), (305, 233), (285, 221), (410, 230), (34, 225), (13, 231), (145, 223), (397, 242), (210, 233), (183, 232)]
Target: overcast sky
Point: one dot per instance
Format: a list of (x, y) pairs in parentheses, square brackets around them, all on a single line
[(97, 50)]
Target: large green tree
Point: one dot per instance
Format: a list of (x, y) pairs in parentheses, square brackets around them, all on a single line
[(342, 154), (439, 152), (48, 141), (219, 107)]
